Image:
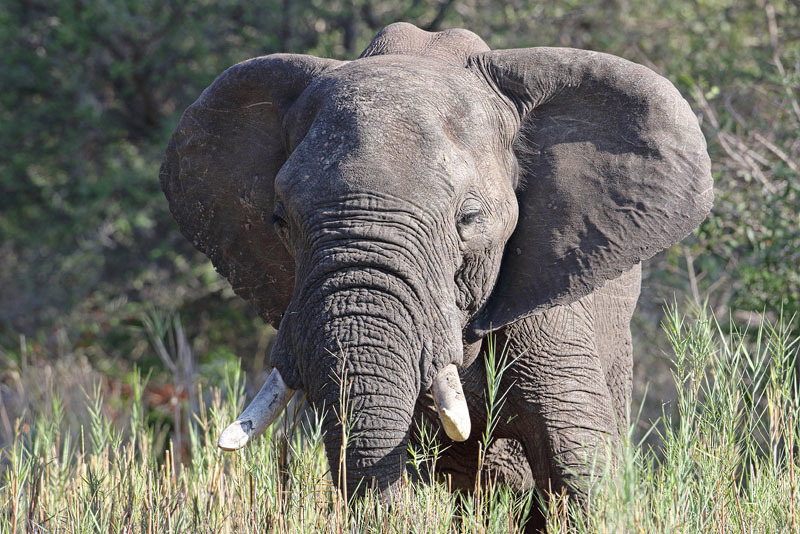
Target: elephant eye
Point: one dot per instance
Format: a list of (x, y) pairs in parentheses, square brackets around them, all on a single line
[(469, 217), (279, 221), (470, 213)]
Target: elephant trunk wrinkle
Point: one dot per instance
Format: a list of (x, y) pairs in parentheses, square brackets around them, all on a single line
[(358, 361), (370, 332), (374, 291)]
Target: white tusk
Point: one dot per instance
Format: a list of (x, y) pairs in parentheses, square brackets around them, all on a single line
[(451, 404), (265, 408)]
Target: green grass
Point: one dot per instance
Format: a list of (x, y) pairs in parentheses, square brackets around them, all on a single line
[(727, 463)]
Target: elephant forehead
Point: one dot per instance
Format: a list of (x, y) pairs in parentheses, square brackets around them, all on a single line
[(330, 168), (411, 128), (397, 80)]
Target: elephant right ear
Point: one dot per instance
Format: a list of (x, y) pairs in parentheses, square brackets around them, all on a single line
[(219, 174), (613, 169)]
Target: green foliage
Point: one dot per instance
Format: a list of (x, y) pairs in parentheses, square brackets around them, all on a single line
[(496, 363), (91, 93), (93, 88), (752, 115)]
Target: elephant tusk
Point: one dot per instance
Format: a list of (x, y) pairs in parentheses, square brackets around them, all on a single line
[(265, 408), (451, 404)]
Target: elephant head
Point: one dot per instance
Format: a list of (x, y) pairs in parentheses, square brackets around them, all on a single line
[(385, 213)]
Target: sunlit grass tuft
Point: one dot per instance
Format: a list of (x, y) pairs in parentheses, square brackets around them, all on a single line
[(111, 480)]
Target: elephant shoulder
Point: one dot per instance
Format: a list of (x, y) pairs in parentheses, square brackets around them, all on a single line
[(625, 286), (581, 325)]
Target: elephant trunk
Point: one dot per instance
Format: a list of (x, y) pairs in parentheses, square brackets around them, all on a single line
[(372, 323), (366, 448), (368, 383), (363, 344)]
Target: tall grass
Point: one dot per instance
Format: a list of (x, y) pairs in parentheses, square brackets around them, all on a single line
[(727, 463), (113, 480)]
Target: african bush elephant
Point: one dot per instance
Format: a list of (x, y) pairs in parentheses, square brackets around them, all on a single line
[(398, 207)]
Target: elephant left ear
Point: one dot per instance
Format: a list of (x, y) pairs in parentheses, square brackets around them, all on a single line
[(613, 169)]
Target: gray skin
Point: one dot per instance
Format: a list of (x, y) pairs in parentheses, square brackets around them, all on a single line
[(396, 208)]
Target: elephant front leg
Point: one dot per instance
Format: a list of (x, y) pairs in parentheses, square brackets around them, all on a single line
[(564, 410), (615, 303)]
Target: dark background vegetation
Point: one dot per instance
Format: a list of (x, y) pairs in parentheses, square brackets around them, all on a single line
[(96, 280)]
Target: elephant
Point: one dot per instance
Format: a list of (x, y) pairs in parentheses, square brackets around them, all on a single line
[(387, 214)]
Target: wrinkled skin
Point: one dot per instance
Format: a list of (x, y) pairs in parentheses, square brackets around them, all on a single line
[(564, 402), (386, 213)]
